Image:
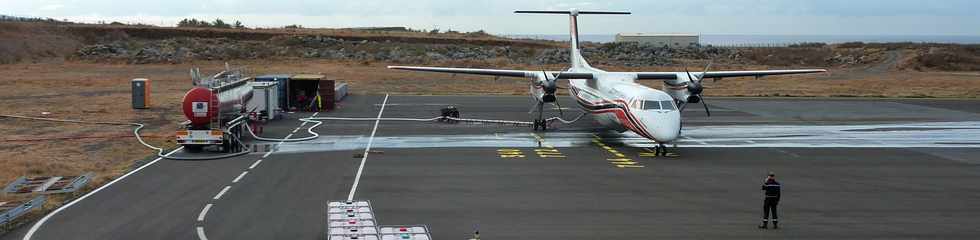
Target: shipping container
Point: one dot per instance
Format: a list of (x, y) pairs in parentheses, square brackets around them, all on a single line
[(283, 82)]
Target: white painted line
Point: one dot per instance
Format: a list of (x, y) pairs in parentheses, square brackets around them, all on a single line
[(256, 163), (30, 233), (294, 130), (204, 212), (697, 141), (200, 233), (287, 137), (360, 169), (239, 178), (222, 192)]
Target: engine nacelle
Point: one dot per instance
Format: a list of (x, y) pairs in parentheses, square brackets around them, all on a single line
[(693, 99)]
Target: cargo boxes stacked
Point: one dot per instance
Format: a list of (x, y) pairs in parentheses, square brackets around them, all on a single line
[(348, 220), (417, 232), (315, 85)]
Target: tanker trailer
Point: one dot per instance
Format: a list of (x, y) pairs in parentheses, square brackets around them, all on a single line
[(215, 115)]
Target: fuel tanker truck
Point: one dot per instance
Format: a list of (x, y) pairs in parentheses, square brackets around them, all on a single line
[(216, 111)]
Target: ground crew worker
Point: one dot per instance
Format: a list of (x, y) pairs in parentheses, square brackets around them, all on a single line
[(302, 101), (771, 189)]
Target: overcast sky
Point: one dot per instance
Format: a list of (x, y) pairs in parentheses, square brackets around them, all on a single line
[(792, 17)]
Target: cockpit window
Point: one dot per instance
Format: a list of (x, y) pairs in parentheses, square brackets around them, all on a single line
[(651, 105), (658, 105), (668, 105)]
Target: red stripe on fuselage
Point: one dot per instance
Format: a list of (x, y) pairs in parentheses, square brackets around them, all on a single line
[(625, 116)]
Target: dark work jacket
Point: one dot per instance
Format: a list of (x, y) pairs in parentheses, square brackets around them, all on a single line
[(772, 188)]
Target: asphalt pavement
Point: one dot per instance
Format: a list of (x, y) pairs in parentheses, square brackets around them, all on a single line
[(573, 182)]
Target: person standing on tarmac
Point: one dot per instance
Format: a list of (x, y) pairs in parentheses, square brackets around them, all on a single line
[(771, 189)]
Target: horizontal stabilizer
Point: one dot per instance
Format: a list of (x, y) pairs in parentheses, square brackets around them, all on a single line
[(576, 12)]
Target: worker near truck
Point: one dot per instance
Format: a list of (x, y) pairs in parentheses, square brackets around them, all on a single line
[(302, 100), (771, 193)]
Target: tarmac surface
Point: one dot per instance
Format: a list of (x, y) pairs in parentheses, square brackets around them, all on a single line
[(851, 169)]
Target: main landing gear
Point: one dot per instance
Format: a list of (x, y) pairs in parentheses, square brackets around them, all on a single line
[(540, 124)]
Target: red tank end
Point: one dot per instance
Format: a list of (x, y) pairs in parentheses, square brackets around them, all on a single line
[(200, 106)]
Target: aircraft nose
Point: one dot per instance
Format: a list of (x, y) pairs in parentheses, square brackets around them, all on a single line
[(665, 125)]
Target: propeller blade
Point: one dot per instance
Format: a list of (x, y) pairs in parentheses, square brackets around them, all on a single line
[(688, 74), (560, 111), (712, 61), (705, 105)]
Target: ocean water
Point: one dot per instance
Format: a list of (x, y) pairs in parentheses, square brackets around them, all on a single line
[(736, 39)]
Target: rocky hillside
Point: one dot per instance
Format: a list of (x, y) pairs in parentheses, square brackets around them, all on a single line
[(144, 45)]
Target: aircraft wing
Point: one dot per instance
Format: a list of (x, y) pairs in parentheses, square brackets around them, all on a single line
[(496, 72), (724, 74)]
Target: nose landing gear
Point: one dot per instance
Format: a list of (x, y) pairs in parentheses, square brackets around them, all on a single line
[(661, 150)]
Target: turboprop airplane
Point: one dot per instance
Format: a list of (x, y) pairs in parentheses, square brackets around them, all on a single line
[(615, 99)]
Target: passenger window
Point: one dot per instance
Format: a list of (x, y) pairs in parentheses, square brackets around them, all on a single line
[(668, 105)]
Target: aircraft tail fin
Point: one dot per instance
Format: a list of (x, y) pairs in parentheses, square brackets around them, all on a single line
[(576, 57)]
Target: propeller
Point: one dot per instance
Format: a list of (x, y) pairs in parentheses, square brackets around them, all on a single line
[(550, 86), (696, 89)]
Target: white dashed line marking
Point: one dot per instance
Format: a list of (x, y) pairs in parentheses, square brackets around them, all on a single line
[(221, 193), (239, 178), (256, 163), (204, 212)]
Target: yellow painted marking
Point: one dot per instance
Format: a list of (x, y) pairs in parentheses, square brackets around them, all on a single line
[(624, 163), (551, 156), (648, 155), (607, 147), (619, 159), (510, 153), (619, 155)]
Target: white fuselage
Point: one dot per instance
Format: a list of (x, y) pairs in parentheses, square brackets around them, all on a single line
[(617, 102)]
